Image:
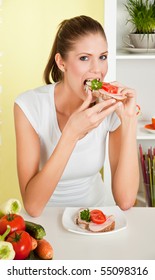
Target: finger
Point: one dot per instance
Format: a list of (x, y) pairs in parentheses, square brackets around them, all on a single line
[(102, 105), (86, 103), (110, 110)]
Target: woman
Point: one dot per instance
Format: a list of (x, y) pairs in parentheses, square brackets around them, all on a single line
[(61, 130)]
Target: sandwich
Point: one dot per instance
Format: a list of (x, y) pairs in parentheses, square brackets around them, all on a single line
[(104, 90), (94, 220)]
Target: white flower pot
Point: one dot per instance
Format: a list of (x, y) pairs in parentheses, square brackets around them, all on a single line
[(141, 41)]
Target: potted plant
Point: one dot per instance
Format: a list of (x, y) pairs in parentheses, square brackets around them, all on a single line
[(142, 18)]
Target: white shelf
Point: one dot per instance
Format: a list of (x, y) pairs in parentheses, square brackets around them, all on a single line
[(131, 68), (122, 54), (142, 134)]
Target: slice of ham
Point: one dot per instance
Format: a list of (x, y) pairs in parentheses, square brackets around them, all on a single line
[(108, 225), (82, 223)]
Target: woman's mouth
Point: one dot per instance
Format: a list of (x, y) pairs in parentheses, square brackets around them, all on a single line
[(88, 83)]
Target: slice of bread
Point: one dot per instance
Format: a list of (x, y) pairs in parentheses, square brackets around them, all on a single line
[(105, 95)]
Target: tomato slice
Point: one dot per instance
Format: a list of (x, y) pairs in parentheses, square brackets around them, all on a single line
[(110, 88), (97, 216)]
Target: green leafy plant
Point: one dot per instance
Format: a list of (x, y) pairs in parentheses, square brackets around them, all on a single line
[(142, 15)]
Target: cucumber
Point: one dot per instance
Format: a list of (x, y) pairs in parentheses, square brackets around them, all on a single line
[(35, 230)]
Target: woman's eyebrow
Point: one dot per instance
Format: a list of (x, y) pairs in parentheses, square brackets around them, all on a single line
[(87, 53), (106, 52)]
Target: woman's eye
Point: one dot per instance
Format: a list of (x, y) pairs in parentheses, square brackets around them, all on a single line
[(84, 58), (103, 57)]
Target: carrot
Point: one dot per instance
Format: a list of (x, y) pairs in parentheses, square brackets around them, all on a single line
[(44, 249), (34, 243)]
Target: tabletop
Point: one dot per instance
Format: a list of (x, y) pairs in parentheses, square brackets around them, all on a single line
[(136, 241)]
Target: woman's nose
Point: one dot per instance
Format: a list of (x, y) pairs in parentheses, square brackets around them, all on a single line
[(95, 67)]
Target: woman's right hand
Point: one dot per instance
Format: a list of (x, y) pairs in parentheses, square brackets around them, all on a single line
[(86, 118)]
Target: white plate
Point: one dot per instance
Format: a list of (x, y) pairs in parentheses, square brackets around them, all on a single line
[(136, 50), (149, 128), (70, 213)]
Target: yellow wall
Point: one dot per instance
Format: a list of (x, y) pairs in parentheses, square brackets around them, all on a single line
[(26, 35)]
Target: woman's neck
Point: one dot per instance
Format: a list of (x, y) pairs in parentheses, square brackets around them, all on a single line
[(66, 102)]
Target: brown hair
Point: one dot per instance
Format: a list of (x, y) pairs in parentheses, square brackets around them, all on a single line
[(68, 33)]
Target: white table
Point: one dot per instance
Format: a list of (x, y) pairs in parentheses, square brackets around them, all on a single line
[(137, 241)]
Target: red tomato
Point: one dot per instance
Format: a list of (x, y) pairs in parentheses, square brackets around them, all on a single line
[(16, 222), (97, 216), (21, 242), (110, 88)]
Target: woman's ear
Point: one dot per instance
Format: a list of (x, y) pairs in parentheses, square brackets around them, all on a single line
[(59, 61)]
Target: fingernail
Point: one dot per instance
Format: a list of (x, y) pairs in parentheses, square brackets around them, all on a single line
[(113, 101), (89, 92)]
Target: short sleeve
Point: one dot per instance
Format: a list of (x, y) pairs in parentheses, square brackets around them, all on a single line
[(113, 122), (27, 101)]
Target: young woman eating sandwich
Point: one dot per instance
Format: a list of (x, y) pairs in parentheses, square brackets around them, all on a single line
[(61, 130)]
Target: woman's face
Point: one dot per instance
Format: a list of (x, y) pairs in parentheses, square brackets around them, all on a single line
[(87, 60)]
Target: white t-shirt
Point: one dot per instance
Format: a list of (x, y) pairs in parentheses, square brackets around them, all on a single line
[(81, 183)]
